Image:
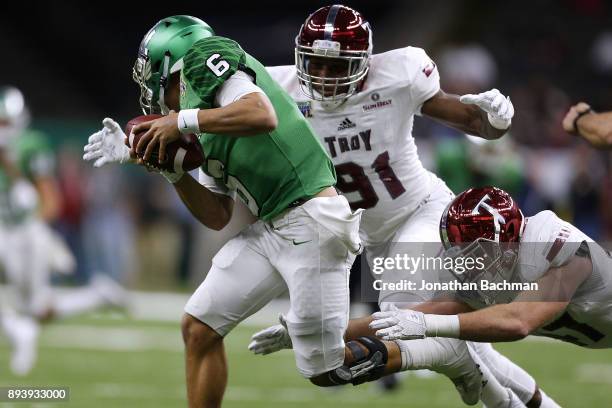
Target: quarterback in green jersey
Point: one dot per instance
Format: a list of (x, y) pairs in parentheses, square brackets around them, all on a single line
[(258, 147)]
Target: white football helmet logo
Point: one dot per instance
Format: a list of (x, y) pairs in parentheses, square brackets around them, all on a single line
[(498, 219)]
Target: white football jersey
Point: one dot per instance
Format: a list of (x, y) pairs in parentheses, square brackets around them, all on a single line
[(549, 242), (369, 137), (587, 320)]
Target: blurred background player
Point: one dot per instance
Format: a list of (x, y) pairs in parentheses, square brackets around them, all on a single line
[(595, 128), (362, 107), (31, 250), (472, 161)]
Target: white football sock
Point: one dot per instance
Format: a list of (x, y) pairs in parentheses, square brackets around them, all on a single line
[(425, 353), (450, 357), (418, 354), (77, 301)]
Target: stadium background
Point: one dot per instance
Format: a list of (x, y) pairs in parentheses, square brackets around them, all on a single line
[(73, 62)]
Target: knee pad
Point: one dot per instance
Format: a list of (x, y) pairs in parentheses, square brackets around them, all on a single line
[(365, 367)]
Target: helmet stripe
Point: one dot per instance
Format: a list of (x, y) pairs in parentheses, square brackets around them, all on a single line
[(162, 84), (443, 225), (331, 20)]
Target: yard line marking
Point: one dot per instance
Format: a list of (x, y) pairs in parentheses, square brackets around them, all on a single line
[(87, 337), (594, 373)]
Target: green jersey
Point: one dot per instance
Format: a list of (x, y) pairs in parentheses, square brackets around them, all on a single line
[(32, 156), (268, 171)]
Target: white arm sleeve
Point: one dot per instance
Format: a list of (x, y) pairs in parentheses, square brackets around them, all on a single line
[(214, 185), (234, 88)]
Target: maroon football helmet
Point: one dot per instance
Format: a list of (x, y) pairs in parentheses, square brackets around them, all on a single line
[(487, 213), (487, 223), (340, 34)]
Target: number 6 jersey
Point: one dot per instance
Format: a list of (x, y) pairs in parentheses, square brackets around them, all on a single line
[(369, 137), (268, 171)]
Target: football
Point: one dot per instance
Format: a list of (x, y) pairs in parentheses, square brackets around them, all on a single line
[(185, 153)]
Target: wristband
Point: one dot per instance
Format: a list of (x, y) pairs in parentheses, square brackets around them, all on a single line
[(499, 123), (442, 325), (581, 114), (188, 121)]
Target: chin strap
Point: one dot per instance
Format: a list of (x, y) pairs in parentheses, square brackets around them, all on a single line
[(163, 81)]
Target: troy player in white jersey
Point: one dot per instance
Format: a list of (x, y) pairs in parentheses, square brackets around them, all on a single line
[(369, 138), (562, 278), (362, 106)]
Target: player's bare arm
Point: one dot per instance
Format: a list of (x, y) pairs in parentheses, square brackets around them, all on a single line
[(487, 115), (504, 322), (50, 197), (212, 209), (441, 306), (509, 322), (8, 166), (595, 128), (250, 115), (531, 310)]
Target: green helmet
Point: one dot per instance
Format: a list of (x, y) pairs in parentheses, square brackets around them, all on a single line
[(161, 54)]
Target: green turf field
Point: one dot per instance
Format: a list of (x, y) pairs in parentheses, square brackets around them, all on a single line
[(114, 362)]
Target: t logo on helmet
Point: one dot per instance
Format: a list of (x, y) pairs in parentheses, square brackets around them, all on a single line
[(497, 217)]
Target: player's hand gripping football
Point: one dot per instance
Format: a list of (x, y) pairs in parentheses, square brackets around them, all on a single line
[(399, 324), (498, 107), (272, 339), (162, 131), (107, 145)]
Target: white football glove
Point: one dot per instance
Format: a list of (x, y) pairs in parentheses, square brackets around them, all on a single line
[(272, 339), (498, 107), (107, 145), (399, 324)]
